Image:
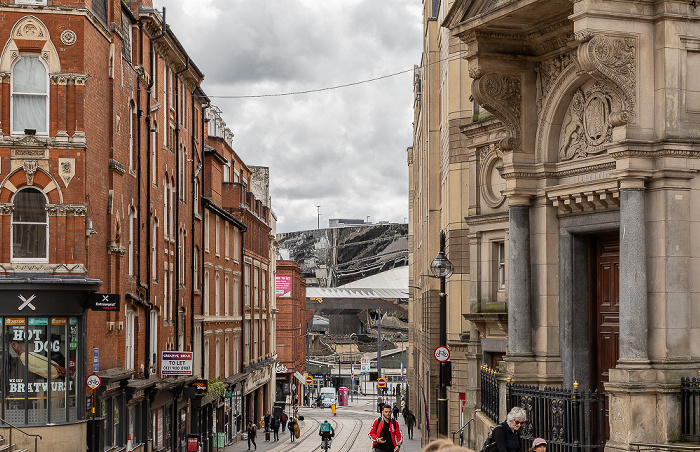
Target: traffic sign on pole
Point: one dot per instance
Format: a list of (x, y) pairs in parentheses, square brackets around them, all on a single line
[(381, 382), (442, 353), (309, 380)]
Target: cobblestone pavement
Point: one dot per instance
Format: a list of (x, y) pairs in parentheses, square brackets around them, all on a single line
[(351, 425)]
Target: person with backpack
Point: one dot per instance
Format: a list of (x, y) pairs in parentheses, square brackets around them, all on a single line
[(410, 420), (326, 432), (252, 432), (385, 432), (505, 437), (290, 426)]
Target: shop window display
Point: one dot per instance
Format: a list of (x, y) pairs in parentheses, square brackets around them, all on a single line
[(40, 360)]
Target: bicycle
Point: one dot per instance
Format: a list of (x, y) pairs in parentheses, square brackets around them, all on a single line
[(325, 444)]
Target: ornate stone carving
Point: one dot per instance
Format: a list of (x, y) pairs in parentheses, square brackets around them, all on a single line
[(588, 123), (119, 167), (68, 37), (492, 184), (547, 73), (66, 210), (30, 167), (613, 58), (501, 95), (66, 169), (43, 268), (6, 209)]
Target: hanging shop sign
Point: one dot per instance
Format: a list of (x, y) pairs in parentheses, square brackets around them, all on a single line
[(176, 363), (103, 302)]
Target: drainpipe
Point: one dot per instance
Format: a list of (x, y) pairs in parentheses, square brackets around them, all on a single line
[(150, 239), (178, 247)]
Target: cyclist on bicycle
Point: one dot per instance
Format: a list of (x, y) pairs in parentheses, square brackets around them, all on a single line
[(326, 432)]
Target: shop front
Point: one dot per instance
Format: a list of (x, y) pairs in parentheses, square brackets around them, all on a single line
[(42, 325)]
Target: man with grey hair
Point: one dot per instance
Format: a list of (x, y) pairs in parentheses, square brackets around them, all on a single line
[(506, 436)]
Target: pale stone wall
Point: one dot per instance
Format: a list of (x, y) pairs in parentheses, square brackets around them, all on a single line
[(63, 438)]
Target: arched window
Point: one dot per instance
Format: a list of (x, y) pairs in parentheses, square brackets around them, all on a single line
[(154, 255), (30, 95), (132, 231), (132, 133), (30, 226), (154, 153)]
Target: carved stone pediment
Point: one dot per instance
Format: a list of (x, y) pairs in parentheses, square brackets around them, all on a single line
[(501, 95)]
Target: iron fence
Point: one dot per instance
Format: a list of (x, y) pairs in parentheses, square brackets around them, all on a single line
[(570, 420), (489, 394), (690, 409)]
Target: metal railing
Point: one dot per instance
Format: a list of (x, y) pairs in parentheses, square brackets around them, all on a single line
[(489, 393), (690, 409), (570, 420), (461, 433), (36, 437)]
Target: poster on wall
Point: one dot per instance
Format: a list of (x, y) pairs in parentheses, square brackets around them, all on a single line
[(283, 286)]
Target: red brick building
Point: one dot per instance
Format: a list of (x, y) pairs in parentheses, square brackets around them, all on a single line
[(292, 319), (106, 187)]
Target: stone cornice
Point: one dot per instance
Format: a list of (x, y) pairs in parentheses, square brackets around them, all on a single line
[(512, 173), (477, 220)]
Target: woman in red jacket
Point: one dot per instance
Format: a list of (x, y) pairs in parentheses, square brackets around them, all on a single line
[(385, 432)]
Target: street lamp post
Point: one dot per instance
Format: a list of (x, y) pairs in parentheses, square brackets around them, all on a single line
[(442, 268)]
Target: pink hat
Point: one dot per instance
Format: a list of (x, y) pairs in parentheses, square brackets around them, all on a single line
[(538, 442)]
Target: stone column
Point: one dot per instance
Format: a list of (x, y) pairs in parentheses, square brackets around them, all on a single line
[(633, 277), (519, 315)]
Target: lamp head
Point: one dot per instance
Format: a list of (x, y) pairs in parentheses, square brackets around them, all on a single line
[(441, 266)]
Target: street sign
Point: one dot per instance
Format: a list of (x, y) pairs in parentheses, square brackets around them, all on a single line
[(95, 359), (381, 382), (309, 380), (364, 365), (442, 353), (93, 381)]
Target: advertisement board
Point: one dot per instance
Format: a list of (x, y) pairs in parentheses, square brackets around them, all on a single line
[(283, 286), (176, 363)]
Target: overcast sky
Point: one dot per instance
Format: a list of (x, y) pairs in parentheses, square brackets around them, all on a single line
[(342, 149)]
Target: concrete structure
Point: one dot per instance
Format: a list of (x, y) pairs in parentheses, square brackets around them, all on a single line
[(556, 144), (105, 186)]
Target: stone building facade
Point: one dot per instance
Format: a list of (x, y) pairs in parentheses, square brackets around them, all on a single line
[(573, 220), (103, 174)]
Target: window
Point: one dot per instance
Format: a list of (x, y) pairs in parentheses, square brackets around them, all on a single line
[(195, 188), (227, 172), (197, 362), (255, 339), (206, 358), (236, 348), (217, 295), (195, 265), (132, 229), (236, 244), (165, 293), (264, 288), (169, 312), (246, 341), (171, 209), (226, 357), (132, 135), (129, 340), (206, 292), (227, 297), (246, 284), (206, 231), (25, 396), (154, 88), (501, 250), (256, 287), (30, 95), (165, 208), (154, 255), (181, 265), (217, 351), (153, 346), (183, 172), (154, 154), (226, 240), (31, 2), (217, 237), (236, 293), (126, 44), (30, 226)]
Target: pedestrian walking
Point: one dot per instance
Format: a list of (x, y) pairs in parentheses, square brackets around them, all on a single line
[(276, 428), (410, 421), (385, 432), (283, 422), (395, 412), (290, 426), (252, 432)]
